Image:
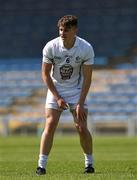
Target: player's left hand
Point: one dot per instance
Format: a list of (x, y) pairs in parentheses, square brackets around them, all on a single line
[(81, 113)]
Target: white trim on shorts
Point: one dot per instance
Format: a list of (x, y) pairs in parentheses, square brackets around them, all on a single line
[(54, 105)]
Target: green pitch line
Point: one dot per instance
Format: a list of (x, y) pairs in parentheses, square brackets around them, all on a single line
[(115, 158)]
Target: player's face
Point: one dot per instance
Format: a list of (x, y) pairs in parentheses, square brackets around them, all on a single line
[(67, 34)]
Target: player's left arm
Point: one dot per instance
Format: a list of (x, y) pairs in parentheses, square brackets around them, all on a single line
[(87, 78)]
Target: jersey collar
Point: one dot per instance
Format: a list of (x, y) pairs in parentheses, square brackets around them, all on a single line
[(75, 44)]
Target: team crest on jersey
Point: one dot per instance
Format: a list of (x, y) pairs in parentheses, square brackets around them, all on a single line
[(78, 59), (66, 71)]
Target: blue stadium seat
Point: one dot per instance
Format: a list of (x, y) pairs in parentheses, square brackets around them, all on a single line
[(112, 96)]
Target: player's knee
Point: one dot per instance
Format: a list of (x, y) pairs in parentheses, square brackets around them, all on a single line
[(50, 126)]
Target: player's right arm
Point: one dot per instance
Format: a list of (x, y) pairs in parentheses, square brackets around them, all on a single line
[(46, 69)]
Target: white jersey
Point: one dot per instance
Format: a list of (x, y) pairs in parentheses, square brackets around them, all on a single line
[(67, 64)]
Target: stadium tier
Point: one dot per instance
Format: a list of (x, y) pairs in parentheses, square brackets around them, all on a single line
[(109, 25), (112, 96)]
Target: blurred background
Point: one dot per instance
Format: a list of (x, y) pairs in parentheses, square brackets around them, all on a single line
[(111, 28)]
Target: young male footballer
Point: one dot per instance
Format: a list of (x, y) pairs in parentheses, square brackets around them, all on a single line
[(67, 72)]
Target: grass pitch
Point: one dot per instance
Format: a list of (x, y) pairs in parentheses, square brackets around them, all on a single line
[(115, 158)]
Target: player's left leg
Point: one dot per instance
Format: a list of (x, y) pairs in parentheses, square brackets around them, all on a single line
[(85, 141)]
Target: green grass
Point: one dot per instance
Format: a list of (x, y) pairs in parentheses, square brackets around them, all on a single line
[(115, 158)]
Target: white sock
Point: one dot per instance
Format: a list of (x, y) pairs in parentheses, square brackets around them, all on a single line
[(42, 160), (88, 159)]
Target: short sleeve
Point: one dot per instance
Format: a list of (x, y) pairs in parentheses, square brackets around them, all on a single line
[(47, 54), (89, 55)]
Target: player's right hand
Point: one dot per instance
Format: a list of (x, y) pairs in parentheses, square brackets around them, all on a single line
[(62, 104)]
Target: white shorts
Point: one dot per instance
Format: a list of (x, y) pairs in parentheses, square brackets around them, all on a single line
[(71, 97)]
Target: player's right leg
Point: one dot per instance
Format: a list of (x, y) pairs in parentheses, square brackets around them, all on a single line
[(52, 118), (85, 141)]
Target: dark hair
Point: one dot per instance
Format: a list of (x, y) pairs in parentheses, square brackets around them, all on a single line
[(68, 21)]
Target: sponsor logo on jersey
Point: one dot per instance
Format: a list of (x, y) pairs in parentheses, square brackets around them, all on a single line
[(57, 57)]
